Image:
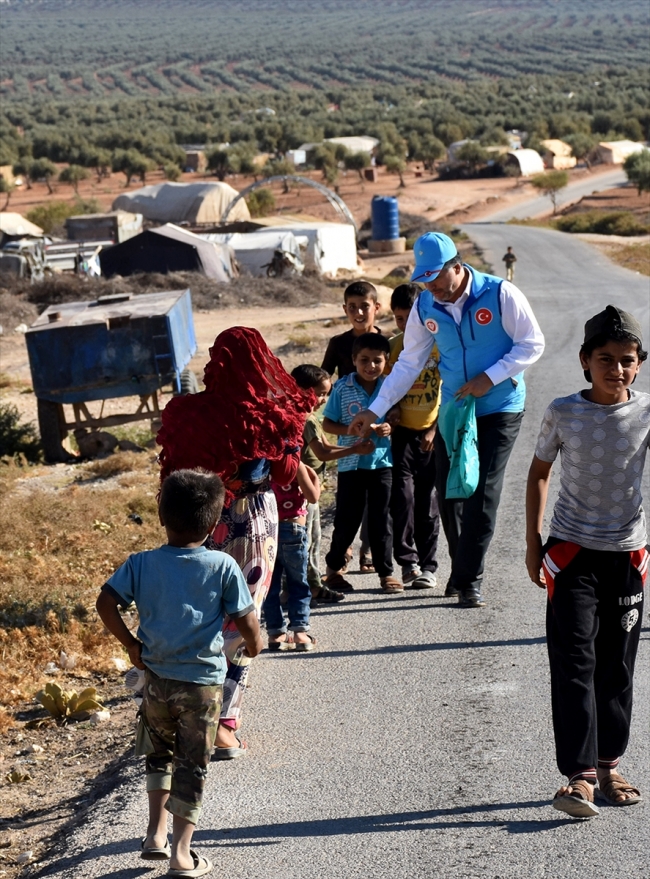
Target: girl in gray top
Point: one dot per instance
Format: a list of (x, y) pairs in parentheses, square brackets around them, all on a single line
[(595, 562)]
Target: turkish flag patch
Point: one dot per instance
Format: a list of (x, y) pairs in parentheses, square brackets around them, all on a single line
[(483, 316)]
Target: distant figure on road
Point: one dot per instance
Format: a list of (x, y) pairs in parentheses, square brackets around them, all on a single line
[(509, 259), (594, 564), (182, 592), (487, 336)]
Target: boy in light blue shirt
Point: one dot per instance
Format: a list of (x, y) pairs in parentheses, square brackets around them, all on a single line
[(362, 477), (182, 591)]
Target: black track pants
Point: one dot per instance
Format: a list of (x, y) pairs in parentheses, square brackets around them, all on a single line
[(593, 622)]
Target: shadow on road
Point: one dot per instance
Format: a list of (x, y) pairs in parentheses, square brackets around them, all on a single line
[(411, 648), (396, 822)]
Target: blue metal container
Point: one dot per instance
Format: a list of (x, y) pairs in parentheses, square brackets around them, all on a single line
[(117, 346), (385, 218)]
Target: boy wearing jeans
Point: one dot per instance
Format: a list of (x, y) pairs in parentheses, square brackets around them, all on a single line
[(182, 591), (362, 478), (595, 562)]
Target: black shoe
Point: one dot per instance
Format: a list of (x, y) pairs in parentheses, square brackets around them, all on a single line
[(450, 590), (470, 598)]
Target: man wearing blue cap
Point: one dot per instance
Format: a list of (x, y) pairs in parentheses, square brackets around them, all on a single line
[(487, 336)]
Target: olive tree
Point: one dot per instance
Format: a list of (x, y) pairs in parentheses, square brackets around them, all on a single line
[(550, 183)]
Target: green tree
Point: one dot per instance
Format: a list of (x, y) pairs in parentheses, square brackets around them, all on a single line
[(357, 162), (131, 163), (473, 154), (172, 172), (220, 162), (396, 165), (43, 169), (429, 151), (73, 175), (583, 146), (550, 183), (323, 158), (637, 168), (23, 168)]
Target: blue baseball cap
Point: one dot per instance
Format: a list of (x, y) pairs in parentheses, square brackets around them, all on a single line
[(432, 250)]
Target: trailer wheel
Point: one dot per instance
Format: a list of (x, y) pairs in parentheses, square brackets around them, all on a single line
[(51, 422), (189, 382)]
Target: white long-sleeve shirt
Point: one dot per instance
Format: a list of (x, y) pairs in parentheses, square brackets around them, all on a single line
[(517, 319)]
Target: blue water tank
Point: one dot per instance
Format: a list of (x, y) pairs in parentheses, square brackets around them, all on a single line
[(385, 218)]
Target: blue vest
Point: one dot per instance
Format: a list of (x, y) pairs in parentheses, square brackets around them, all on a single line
[(471, 347)]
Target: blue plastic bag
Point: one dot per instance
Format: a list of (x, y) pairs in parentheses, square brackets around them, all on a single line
[(457, 424)]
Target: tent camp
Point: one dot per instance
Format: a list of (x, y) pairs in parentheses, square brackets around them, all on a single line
[(254, 251), (168, 249), (192, 203)]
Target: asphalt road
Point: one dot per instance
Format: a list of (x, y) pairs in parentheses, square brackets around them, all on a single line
[(574, 192), (416, 743)]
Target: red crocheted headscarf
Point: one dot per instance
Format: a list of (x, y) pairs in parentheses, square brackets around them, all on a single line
[(251, 408)]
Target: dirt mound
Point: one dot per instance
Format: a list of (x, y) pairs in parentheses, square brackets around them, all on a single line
[(21, 302)]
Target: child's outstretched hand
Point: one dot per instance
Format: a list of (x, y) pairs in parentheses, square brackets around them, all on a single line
[(363, 447), (383, 429)]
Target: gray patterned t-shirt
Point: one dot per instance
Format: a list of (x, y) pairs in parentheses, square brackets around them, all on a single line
[(602, 451)]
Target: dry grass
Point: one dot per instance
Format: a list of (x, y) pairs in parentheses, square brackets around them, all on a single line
[(635, 257), (58, 545)]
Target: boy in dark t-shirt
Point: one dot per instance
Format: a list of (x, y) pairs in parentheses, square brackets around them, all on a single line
[(360, 306)]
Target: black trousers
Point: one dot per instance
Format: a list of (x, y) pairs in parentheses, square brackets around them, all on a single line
[(469, 524), (593, 622), (354, 487), (414, 501)]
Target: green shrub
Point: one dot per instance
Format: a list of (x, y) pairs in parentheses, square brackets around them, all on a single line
[(612, 223), (51, 217), (17, 438), (261, 202)]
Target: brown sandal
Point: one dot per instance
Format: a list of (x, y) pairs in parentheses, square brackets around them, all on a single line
[(614, 784), (389, 585), (365, 563), (348, 558), (338, 583), (576, 799)]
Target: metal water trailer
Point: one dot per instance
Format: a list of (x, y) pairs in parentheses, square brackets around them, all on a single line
[(116, 346)]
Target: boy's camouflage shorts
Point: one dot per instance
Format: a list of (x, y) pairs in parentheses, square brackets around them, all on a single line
[(182, 719)]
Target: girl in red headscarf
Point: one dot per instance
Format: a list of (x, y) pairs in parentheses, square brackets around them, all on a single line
[(247, 427)]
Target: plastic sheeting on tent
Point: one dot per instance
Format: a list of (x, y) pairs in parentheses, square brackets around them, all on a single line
[(183, 202), (254, 250), (529, 161), (331, 247), (16, 225), (168, 249)]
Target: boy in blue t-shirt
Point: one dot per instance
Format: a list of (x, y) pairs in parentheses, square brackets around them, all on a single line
[(182, 591), (361, 477)]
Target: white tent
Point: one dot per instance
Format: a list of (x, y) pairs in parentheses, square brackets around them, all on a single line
[(331, 247), (183, 202), (530, 161), (15, 224), (254, 250), (615, 152)]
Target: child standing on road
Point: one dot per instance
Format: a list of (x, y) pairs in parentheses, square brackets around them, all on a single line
[(414, 501), (182, 592), (316, 452), (595, 562), (509, 259), (361, 307), (362, 478)]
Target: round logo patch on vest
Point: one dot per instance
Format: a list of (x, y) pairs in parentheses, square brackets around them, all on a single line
[(431, 325), (483, 316)]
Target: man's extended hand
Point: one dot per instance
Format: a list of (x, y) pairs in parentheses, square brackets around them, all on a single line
[(477, 387), (362, 423)]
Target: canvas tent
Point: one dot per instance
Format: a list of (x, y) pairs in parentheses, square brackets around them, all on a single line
[(254, 251), (192, 203), (615, 152), (16, 226), (331, 247), (529, 161), (168, 249)]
